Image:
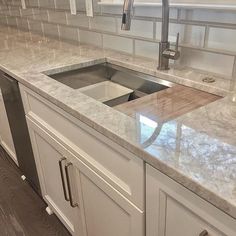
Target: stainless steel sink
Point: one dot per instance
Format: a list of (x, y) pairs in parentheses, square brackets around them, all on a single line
[(140, 84)]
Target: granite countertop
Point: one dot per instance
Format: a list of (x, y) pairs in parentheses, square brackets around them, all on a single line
[(197, 149)]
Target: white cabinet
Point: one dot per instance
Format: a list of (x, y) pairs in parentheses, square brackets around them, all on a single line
[(5, 133), (51, 161), (172, 210), (109, 179), (99, 209), (106, 211)]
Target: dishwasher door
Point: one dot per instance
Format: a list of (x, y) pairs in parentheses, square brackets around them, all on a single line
[(19, 130)]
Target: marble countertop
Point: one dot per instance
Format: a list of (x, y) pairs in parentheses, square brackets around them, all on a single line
[(198, 149)]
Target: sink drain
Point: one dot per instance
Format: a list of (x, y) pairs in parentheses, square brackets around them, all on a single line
[(208, 80)]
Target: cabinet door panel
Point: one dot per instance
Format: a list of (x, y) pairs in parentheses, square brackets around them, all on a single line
[(49, 159), (5, 132), (104, 217), (48, 153), (107, 212)]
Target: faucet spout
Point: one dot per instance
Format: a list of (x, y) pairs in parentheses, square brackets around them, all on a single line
[(126, 16), (165, 20)]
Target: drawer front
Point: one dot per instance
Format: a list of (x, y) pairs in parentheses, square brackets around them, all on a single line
[(121, 169), (182, 221), (173, 210)]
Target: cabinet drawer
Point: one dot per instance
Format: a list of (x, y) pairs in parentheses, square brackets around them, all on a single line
[(173, 210), (182, 221), (120, 168)]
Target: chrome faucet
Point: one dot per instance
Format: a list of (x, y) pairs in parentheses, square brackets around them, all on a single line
[(165, 52)]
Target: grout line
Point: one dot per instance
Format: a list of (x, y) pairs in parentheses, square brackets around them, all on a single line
[(206, 36), (154, 30), (234, 69), (178, 15), (134, 47)]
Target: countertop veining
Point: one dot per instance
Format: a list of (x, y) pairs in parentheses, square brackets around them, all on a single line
[(197, 149)]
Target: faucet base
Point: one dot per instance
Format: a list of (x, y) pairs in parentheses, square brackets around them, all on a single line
[(163, 63)]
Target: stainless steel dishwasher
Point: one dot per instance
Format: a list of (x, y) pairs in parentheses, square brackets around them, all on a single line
[(18, 126)]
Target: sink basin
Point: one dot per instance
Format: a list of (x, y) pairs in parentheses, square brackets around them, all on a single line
[(108, 92), (111, 84)]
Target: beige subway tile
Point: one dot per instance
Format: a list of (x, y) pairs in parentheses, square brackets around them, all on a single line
[(14, 11), (51, 30), (47, 3), (223, 39), (139, 28), (189, 34), (117, 10), (67, 33), (118, 43), (146, 49), (5, 10), (103, 23), (77, 20), (11, 20), (209, 16), (89, 37), (22, 24), (35, 26), (148, 11), (32, 3), (40, 14), (62, 4), (80, 5), (57, 17), (3, 20), (28, 12), (207, 61)]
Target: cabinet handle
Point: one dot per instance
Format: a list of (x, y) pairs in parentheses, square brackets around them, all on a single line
[(63, 180), (69, 186), (204, 233)]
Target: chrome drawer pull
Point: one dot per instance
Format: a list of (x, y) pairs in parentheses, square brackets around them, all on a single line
[(69, 186), (63, 180), (204, 233)]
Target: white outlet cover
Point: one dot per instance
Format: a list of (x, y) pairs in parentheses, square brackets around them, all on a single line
[(89, 7), (23, 4), (73, 8)]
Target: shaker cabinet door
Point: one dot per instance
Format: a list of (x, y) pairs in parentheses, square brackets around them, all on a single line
[(51, 160), (107, 212), (5, 133)]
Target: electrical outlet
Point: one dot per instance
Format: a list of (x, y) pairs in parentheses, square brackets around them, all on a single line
[(73, 8), (89, 7), (23, 4)]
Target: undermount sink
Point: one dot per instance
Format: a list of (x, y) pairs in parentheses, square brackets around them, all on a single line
[(111, 84), (108, 92)]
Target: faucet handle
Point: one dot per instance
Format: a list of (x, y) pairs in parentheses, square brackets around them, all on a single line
[(177, 43), (173, 54)]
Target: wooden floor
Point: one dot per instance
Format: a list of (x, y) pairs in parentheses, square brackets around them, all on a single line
[(22, 212)]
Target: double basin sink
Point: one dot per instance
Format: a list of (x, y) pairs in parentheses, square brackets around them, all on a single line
[(110, 84)]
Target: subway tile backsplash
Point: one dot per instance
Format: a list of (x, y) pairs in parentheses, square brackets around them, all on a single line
[(223, 39), (207, 37)]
